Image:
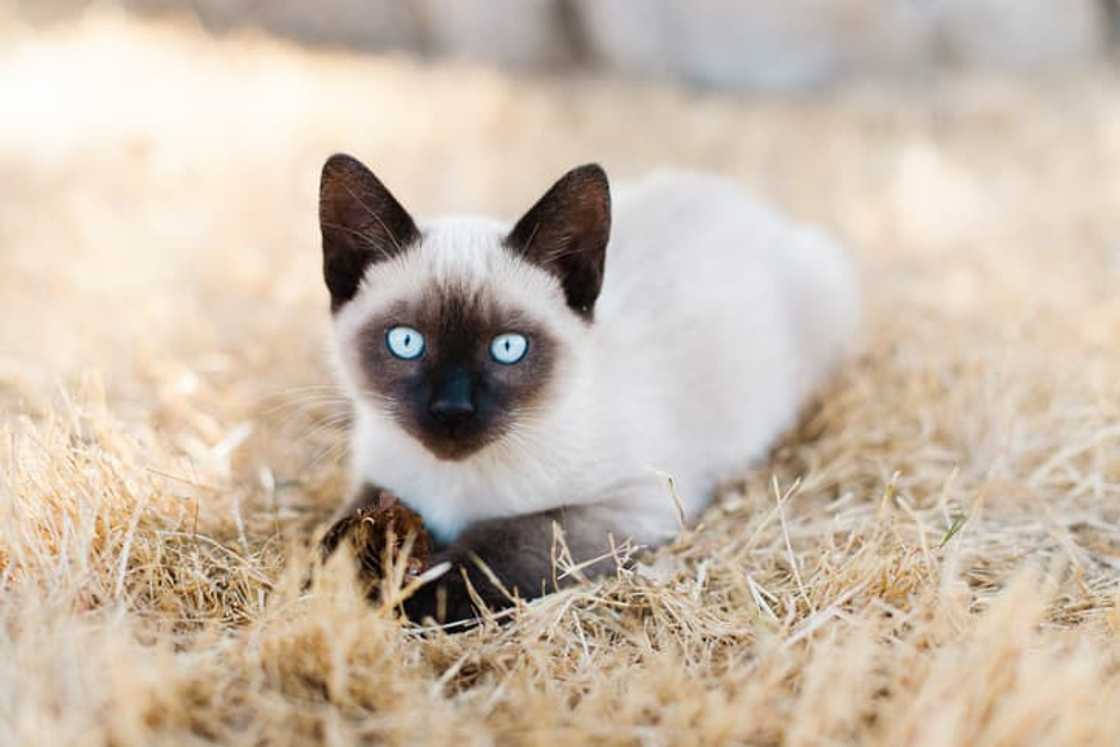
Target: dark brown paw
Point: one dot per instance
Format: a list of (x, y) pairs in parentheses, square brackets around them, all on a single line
[(449, 599), (445, 600), (371, 528)]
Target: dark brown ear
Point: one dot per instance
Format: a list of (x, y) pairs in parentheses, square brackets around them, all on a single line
[(566, 233), (361, 223)]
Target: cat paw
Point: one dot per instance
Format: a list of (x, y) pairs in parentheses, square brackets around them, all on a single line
[(334, 536), (444, 600), (377, 527)]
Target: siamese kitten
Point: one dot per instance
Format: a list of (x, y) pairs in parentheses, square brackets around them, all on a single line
[(506, 379)]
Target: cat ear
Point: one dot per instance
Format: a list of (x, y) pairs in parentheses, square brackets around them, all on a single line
[(566, 233), (361, 222)]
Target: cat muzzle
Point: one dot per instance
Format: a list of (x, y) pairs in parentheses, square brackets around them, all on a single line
[(452, 402)]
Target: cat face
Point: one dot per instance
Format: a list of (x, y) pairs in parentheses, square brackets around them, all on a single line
[(456, 368), (462, 332)]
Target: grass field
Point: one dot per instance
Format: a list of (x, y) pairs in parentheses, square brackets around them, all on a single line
[(931, 559)]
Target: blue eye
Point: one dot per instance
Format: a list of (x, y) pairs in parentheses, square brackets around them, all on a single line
[(405, 343), (509, 348)]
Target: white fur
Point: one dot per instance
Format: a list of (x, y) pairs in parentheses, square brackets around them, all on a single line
[(716, 320)]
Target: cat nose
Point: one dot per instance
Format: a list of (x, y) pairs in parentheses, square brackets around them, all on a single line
[(453, 403), (451, 411)]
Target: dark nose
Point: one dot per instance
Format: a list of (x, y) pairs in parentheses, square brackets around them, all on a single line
[(453, 402)]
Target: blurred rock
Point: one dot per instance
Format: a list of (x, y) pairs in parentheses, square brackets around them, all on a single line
[(723, 43), (713, 42), (808, 43), (363, 24), (1022, 34), (512, 32), (744, 44)]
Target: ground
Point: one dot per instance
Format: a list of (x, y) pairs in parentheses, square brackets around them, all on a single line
[(930, 559)]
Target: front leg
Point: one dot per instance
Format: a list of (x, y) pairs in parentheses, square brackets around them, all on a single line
[(345, 518), (519, 552)]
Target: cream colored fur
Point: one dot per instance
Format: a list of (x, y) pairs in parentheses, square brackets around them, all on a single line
[(717, 319)]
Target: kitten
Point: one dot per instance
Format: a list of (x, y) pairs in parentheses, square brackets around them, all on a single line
[(503, 383)]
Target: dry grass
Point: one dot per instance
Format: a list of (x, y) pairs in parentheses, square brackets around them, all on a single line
[(931, 560)]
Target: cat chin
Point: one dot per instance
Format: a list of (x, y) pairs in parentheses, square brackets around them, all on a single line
[(456, 447)]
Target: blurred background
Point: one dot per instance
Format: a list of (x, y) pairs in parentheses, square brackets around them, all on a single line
[(159, 161), (163, 376), (790, 45)]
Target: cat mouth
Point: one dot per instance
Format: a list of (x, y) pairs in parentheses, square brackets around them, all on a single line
[(456, 442)]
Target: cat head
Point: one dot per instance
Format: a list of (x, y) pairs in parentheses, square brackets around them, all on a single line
[(463, 330)]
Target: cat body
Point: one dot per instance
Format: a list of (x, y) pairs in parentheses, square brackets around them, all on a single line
[(714, 320)]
